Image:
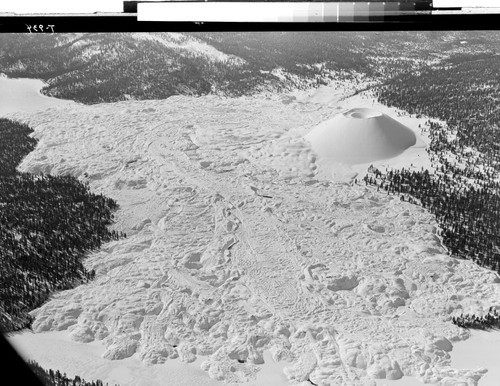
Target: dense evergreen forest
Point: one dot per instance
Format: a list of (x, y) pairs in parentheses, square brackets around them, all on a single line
[(47, 225), (464, 192), (461, 96)]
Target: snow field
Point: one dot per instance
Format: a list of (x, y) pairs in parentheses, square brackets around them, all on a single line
[(239, 243)]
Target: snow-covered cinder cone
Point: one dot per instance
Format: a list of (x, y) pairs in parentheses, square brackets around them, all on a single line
[(360, 135)]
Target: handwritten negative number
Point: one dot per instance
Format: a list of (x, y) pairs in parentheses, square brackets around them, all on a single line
[(40, 28)]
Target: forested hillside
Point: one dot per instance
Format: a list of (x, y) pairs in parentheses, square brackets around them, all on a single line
[(47, 224), (464, 193), (94, 68)]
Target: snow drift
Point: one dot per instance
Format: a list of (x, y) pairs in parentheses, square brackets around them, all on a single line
[(360, 135)]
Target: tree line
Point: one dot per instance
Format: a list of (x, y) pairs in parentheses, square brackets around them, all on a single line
[(47, 226), (56, 378), (463, 191)]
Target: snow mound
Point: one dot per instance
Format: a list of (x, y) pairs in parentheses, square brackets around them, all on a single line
[(385, 368), (360, 135)]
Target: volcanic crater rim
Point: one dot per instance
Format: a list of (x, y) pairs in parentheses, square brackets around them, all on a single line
[(362, 113)]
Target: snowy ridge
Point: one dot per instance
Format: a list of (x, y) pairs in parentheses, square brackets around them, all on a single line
[(188, 43), (236, 245)]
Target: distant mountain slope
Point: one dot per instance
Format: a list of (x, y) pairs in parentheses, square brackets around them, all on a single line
[(94, 68)]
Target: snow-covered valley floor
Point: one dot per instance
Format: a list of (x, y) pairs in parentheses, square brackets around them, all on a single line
[(245, 249)]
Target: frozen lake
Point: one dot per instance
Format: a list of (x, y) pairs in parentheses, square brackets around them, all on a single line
[(482, 349), (55, 350), (24, 95)]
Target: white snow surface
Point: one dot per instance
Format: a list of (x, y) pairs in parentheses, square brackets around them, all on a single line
[(360, 135), (189, 44), (54, 349), (15, 93), (240, 244)]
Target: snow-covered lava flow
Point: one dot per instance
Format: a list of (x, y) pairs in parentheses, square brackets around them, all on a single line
[(234, 248)]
